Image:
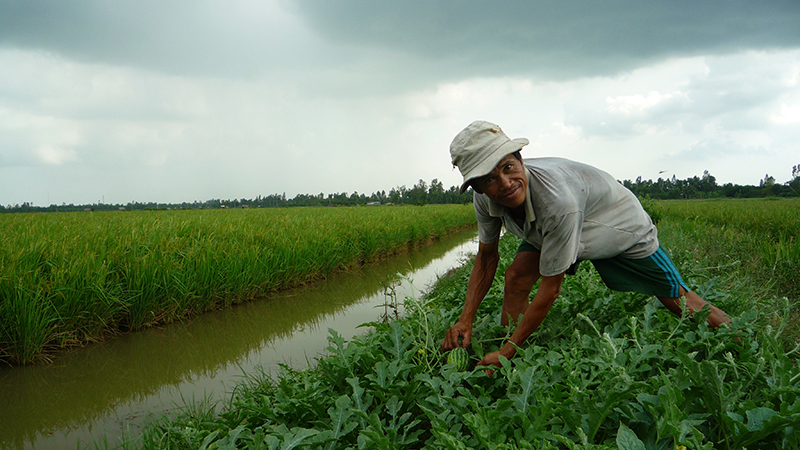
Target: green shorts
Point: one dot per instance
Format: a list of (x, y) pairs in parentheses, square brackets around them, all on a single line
[(653, 275)]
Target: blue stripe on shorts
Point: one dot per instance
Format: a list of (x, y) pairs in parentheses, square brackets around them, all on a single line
[(664, 263)]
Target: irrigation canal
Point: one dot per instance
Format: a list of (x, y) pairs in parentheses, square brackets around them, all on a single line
[(114, 386)]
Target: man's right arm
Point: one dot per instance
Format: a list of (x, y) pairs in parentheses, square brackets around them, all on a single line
[(480, 280)]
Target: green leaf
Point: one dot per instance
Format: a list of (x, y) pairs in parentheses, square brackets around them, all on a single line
[(448, 440), (527, 384), (296, 437), (397, 345), (756, 418), (228, 442), (627, 439), (361, 401), (272, 442), (208, 440), (340, 413)]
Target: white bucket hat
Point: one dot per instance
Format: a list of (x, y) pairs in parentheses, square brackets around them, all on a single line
[(477, 149)]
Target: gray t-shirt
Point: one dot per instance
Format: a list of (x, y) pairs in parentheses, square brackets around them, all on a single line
[(574, 212)]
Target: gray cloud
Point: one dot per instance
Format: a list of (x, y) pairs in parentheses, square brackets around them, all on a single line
[(237, 38), (181, 100), (433, 40), (564, 39)]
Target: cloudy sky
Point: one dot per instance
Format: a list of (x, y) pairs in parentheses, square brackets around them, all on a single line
[(184, 100)]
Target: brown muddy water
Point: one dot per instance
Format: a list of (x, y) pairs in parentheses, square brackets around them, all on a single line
[(95, 393)]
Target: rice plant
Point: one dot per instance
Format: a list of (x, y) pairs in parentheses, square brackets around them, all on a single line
[(750, 245), (69, 278)]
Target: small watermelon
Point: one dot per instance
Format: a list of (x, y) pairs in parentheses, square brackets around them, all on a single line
[(458, 357)]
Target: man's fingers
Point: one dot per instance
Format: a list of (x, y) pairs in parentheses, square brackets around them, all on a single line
[(453, 335), (446, 345), (489, 368), (465, 339), (450, 340)]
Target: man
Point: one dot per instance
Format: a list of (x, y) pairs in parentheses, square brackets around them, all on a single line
[(565, 212)]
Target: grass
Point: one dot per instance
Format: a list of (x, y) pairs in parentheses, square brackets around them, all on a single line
[(71, 278), (749, 247), (604, 370), (763, 235)]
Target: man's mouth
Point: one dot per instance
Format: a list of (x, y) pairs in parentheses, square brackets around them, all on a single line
[(511, 192)]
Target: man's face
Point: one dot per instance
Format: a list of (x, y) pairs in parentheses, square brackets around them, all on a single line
[(507, 184)]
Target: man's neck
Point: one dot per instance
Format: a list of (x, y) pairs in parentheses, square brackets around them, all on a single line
[(518, 212)]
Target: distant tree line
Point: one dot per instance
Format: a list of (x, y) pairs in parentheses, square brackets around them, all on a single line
[(707, 187), (434, 193), (420, 194)]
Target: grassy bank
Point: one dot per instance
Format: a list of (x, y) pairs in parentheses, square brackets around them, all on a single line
[(68, 278), (605, 370)]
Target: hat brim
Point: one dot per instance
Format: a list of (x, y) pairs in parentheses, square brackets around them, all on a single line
[(492, 160)]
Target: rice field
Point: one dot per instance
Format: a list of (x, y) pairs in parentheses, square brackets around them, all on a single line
[(777, 219), (758, 237), (71, 278)]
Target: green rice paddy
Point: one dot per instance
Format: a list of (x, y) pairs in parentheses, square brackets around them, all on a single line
[(70, 278)]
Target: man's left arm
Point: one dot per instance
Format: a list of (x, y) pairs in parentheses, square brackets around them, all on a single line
[(546, 295)]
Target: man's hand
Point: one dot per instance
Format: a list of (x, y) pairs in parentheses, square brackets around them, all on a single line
[(490, 359), (462, 331), (493, 359)]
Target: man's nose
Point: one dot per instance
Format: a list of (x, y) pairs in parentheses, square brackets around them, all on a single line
[(505, 181)]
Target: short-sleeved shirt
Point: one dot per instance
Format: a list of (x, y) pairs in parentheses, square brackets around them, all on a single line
[(573, 212)]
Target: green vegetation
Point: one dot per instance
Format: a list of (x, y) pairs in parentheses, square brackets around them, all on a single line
[(419, 194), (69, 278), (707, 187), (605, 370), (759, 240), (434, 193)]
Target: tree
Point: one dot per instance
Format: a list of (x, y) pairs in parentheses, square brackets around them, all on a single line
[(794, 183), (418, 195), (708, 184), (436, 192)]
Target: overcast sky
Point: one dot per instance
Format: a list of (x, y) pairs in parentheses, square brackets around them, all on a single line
[(172, 101)]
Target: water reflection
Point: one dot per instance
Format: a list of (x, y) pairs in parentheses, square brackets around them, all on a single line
[(116, 385)]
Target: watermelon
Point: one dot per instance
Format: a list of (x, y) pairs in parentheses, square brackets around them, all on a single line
[(458, 357)]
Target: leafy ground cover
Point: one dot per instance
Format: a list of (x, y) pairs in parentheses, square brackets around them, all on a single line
[(604, 370)]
